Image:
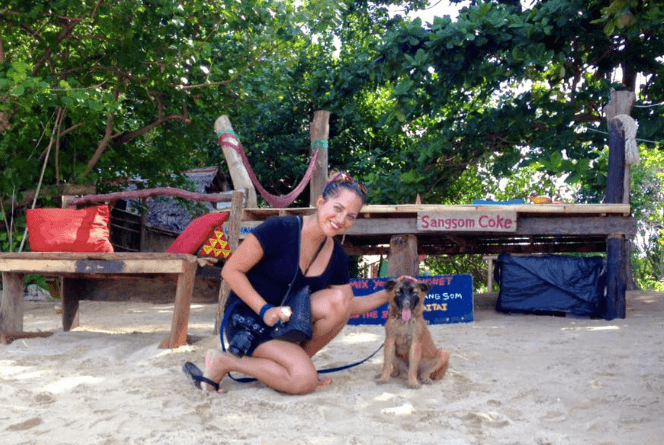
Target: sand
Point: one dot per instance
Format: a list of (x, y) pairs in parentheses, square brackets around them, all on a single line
[(513, 379)]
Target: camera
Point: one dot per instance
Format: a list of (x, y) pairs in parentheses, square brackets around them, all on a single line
[(248, 332)]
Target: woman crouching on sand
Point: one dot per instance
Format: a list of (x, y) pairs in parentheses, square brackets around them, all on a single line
[(259, 273)]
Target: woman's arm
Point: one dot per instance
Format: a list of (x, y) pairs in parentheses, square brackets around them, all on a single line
[(234, 272), (361, 305)]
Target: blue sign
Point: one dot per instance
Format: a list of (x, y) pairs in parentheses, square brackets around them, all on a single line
[(450, 299)]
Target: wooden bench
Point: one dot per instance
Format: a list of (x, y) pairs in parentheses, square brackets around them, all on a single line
[(75, 266)]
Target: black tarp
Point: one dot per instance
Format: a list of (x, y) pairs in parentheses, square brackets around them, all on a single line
[(551, 284)]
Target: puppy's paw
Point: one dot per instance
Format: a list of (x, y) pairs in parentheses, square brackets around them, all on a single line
[(381, 379), (414, 385)]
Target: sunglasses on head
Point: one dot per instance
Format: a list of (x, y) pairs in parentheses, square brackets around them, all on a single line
[(348, 179)]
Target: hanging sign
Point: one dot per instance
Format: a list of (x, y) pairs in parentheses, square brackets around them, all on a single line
[(490, 221)]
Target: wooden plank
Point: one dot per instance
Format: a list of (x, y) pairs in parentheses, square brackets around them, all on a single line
[(623, 209), (92, 266), (156, 256), (581, 225), (406, 210), (110, 263)]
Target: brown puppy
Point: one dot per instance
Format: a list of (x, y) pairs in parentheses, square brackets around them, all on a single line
[(408, 343)]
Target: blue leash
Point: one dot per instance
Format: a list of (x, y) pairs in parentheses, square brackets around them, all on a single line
[(320, 371)]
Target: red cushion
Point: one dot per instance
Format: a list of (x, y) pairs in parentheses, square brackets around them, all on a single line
[(216, 245), (69, 230), (196, 233)]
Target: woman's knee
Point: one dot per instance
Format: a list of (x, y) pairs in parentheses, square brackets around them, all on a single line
[(338, 303), (303, 382)]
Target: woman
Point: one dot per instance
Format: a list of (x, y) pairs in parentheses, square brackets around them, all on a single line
[(259, 273)]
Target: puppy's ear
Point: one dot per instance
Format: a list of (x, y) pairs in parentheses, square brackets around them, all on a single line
[(424, 287), (389, 285)]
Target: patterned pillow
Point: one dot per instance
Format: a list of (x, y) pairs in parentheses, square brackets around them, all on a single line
[(216, 246), (198, 233)]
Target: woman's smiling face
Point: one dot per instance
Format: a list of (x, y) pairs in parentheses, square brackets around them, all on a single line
[(338, 214)]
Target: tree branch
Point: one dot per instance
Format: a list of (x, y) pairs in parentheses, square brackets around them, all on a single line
[(103, 145), (72, 128), (126, 137)]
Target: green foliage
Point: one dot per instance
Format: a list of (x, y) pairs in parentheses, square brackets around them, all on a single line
[(646, 199), (131, 88)]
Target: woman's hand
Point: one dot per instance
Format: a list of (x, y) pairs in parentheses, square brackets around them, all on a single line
[(276, 314)]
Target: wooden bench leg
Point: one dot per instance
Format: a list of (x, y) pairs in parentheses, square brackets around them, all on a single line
[(183, 295), (11, 306), (73, 290)]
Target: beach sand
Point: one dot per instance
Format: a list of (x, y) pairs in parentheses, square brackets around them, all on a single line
[(513, 380)]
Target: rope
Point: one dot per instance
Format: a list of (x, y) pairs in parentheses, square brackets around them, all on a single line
[(630, 126), (228, 138)]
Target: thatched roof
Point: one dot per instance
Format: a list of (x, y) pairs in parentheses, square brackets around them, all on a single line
[(167, 213)]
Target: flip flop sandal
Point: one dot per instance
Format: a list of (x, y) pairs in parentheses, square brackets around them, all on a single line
[(196, 376)]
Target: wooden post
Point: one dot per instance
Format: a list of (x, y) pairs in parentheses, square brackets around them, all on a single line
[(11, 305), (614, 305), (233, 224), (239, 174), (320, 129), (73, 290), (403, 258), (616, 168), (621, 102)]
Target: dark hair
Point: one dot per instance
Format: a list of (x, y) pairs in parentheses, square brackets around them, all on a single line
[(341, 180)]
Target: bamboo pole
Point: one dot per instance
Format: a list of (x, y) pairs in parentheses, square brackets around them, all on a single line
[(239, 174)]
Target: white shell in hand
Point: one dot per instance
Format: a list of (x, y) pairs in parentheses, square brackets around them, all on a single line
[(286, 311)]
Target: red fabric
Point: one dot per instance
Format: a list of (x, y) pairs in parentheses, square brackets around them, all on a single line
[(196, 233), (69, 230)]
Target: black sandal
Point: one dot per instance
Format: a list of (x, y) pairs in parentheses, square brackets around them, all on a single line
[(196, 376)]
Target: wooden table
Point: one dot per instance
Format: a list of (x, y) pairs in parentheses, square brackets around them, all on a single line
[(74, 267)]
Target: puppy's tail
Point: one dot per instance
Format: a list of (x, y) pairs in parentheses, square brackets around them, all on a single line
[(444, 358)]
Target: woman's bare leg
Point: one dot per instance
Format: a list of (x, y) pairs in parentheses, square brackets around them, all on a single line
[(280, 365), (330, 311)]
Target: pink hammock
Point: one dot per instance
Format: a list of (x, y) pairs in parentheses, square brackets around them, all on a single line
[(229, 139)]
